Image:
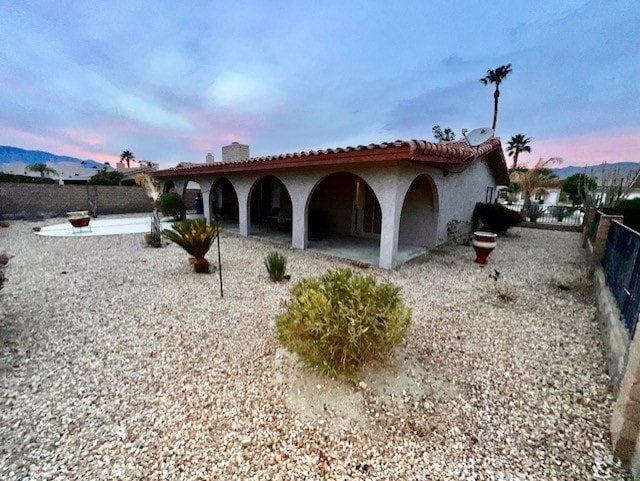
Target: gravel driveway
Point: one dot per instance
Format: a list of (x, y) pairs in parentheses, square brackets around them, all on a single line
[(117, 362)]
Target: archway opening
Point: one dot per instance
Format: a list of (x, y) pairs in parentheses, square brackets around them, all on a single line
[(169, 186), (192, 197), (224, 202), (270, 207), (419, 219), (344, 204)]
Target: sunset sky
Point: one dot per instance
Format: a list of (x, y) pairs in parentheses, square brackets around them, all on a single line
[(171, 81)]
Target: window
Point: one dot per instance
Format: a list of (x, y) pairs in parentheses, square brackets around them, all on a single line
[(489, 196)]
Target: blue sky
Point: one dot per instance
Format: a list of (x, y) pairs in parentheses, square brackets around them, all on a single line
[(172, 81)]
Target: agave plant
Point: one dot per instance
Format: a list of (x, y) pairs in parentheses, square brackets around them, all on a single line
[(276, 265), (195, 237)]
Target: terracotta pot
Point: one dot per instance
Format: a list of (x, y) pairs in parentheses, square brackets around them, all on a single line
[(483, 243), (201, 266), (79, 221)]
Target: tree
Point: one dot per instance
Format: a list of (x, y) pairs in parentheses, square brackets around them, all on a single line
[(127, 156), (106, 178), (579, 187), (518, 143), (496, 77), (446, 135), (44, 169), (537, 179)]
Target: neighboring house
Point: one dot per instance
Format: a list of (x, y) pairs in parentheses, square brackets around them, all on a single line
[(411, 193), (66, 172)]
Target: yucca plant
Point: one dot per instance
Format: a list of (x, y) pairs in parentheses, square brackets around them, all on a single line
[(195, 237), (276, 265)]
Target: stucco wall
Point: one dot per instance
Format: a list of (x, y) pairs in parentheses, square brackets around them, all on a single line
[(460, 192), (32, 201), (418, 222)]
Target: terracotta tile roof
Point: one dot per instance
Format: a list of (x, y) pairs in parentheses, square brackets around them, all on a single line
[(455, 153)]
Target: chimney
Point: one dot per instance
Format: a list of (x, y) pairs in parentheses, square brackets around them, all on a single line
[(210, 158), (235, 152)]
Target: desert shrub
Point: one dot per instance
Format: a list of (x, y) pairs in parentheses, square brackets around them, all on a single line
[(340, 321), (25, 179), (104, 177), (172, 204), (495, 218), (195, 237), (630, 209), (276, 265)]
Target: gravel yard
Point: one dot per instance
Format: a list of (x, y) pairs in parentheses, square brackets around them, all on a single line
[(117, 362)]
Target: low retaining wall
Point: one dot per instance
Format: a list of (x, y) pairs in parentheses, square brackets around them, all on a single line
[(623, 362), (36, 201)]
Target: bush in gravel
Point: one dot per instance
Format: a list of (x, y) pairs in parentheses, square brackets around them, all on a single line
[(172, 204), (195, 237), (276, 265), (495, 218), (340, 321)]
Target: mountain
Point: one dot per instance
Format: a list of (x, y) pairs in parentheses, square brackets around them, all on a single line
[(15, 155), (620, 169)]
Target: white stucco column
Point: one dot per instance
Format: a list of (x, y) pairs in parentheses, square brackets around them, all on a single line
[(390, 198), (243, 188), (298, 224), (179, 185), (205, 190), (389, 235)]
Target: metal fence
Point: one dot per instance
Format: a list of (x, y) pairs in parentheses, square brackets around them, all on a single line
[(550, 214), (621, 264)]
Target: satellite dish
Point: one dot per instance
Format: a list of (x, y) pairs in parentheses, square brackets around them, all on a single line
[(477, 136)]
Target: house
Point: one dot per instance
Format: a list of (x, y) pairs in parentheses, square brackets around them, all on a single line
[(404, 193)]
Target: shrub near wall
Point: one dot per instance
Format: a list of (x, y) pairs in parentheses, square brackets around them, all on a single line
[(34, 201)]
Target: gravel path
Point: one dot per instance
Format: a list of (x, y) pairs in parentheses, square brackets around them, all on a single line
[(118, 363)]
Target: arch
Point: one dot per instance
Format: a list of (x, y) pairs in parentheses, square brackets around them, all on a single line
[(269, 204), (419, 217), (192, 196), (168, 187), (224, 202), (343, 203)]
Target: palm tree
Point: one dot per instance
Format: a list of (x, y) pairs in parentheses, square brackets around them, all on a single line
[(44, 169), (518, 143), (496, 77), (537, 179), (127, 156)]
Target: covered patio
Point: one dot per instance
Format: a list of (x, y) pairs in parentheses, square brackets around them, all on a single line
[(381, 204)]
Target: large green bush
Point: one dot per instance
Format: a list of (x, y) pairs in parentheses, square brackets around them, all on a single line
[(172, 204), (104, 177), (495, 218), (340, 321), (630, 209)]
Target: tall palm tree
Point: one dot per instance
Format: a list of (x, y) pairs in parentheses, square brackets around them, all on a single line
[(44, 169), (127, 156), (518, 143), (496, 77)]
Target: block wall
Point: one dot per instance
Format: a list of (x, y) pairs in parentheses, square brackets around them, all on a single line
[(32, 201)]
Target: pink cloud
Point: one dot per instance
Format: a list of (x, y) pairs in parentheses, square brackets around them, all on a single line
[(71, 142), (591, 149)]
